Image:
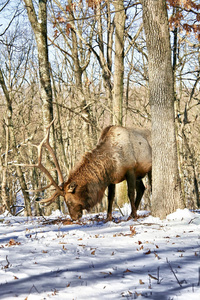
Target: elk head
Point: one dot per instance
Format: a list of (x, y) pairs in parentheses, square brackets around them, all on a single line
[(73, 200)]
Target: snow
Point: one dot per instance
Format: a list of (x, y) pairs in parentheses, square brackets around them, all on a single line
[(54, 258)]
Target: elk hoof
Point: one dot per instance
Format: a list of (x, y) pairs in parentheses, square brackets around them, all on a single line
[(108, 219), (132, 217)]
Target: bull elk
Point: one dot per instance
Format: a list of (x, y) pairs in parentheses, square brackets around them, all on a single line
[(121, 154)]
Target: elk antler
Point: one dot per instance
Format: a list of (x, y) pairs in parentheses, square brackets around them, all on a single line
[(59, 188)]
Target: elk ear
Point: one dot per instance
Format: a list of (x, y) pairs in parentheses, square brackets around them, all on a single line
[(71, 187)]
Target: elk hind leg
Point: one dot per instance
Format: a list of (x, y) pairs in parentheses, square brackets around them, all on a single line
[(111, 196), (140, 188), (150, 179), (131, 182)]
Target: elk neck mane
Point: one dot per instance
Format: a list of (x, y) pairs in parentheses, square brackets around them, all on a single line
[(95, 166)]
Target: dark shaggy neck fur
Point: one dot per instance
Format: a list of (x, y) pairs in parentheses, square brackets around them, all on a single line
[(94, 166), (93, 174)]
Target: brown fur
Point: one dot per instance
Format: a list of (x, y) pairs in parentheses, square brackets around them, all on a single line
[(122, 153)]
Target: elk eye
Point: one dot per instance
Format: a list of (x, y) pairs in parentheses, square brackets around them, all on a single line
[(71, 187)]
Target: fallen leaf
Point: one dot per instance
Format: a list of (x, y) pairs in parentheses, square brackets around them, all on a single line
[(93, 252), (133, 231), (126, 294), (12, 242), (81, 245), (156, 255), (128, 271), (148, 252), (153, 277), (138, 294), (55, 292), (106, 273), (141, 248), (67, 222), (141, 282)]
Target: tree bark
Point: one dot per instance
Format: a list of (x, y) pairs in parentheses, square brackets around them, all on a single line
[(39, 26), (166, 192), (12, 141), (4, 201), (119, 20)]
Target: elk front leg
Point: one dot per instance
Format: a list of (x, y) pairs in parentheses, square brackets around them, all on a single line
[(140, 188), (150, 178), (111, 196), (131, 182)]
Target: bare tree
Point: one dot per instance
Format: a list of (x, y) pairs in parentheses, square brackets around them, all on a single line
[(119, 21), (39, 26), (12, 140), (166, 192)]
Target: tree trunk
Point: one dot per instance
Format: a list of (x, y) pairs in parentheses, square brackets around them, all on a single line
[(119, 22), (105, 61), (12, 141), (120, 17), (4, 204), (39, 26), (166, 192)]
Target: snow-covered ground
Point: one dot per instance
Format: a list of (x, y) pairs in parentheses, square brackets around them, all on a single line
[(54, 258)]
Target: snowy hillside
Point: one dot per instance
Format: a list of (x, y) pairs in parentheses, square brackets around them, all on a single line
[(54, 258)]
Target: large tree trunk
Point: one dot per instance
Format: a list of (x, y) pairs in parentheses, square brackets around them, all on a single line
[(119, 20), (39, 26), (166, 192)]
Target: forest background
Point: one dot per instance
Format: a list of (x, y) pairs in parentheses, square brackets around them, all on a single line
[(86, 42)]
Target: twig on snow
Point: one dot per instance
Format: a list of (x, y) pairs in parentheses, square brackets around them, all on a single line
[(192, 220), (120, 210), (173, 272), (158, 276), (8, 263), (33, 287)]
